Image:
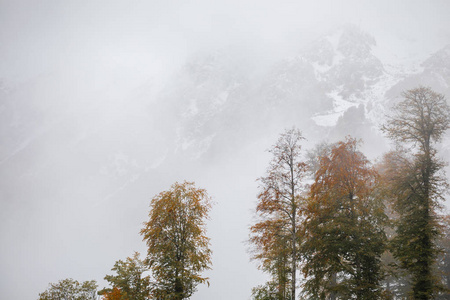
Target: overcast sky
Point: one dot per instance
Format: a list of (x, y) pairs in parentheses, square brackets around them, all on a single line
[(37, 36), (54, 225)]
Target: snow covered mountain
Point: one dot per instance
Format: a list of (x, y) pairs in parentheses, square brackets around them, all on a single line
[(335, 87), (69, 147), (216, 105)]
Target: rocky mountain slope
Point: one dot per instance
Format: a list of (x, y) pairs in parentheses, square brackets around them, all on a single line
[(335, 87), (69, 147)]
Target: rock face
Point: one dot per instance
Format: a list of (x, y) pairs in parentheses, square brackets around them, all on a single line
[(335, 87), (79, 161), (217, 103)]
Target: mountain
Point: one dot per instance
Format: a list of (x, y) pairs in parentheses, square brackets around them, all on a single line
[(335, 87), (218, 104), (81, 158)]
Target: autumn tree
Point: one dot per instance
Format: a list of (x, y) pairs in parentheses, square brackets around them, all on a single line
[(178, 248), (130, 280), (70, 289), (343, 228), (418, 122), (113, 294), (271, 240), (275, 236), (313, 156)]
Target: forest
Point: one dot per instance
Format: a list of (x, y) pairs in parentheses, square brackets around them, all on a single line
[(330, 224)]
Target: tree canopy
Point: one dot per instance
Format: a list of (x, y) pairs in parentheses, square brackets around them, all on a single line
[(178, 248), (70, 289), (344, 234), (416, 183), (130, 281), (275, 236)]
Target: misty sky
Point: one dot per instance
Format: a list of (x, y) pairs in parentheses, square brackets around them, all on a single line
[(85, 69), (149, 36)]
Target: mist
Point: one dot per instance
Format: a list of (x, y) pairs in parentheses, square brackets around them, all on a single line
[(104, 104)]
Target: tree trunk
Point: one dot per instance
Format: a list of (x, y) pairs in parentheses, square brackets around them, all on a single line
[(333, 284), (294, 230), (294, 264)]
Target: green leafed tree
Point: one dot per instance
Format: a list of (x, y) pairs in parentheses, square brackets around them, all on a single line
[(276, 235), (443, 260), (130, 281), (178, 248), (418, 122), (70, 289), (268, 291), (343, 228), (271, 240)]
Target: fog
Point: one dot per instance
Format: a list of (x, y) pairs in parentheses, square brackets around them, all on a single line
[(104, 104)]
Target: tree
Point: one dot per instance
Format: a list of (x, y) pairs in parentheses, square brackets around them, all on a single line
[(313, 157), (396, 280), (271, 240), (130, 282), (178, 248), (269, 291), (113, 294), (343, 228), (443, 260), (276, 235), (418, 121), (70, 289)]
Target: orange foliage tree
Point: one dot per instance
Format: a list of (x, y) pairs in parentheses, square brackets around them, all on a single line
[(114, 294), (343, 227), (178, 248), (275, 236)]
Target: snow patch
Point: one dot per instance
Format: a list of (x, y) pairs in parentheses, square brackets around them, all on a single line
[(340, 106), (327, 120)]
